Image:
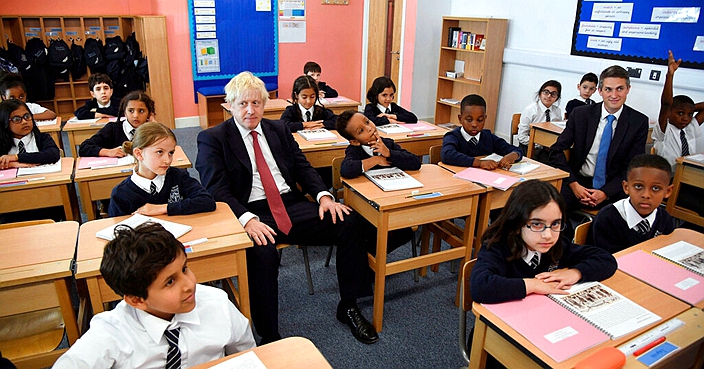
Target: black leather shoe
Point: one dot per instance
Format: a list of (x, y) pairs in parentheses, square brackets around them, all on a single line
[(362, 330)]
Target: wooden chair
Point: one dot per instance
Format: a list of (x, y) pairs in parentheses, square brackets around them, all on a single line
[(30, 331), (303, 248), (581, 232), (435, 154), (515, 120), (465, 306)]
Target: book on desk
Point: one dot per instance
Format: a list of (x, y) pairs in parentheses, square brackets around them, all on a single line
[(392, 179), (136, 220), (318, 134), (685, 254)]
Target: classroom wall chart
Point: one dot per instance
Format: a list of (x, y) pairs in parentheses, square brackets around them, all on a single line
[(640, 30)]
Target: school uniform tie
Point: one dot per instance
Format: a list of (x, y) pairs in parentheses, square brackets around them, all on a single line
[(547, 115), (173, 356), (685, 144), (388, 111), (273, 197), (20, 148), (473, 141), (643, 227), (132, 132), (600, 171), (589, 101), (152, 189), (534, 261), (308, 117)]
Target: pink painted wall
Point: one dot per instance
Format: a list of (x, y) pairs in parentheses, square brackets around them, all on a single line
[(409, 42)]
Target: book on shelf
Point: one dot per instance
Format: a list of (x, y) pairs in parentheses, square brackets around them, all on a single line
[(606, 309), (175, 229), (668, 277), (393, 128), (478, 40), (685, 254), (317, 134), (392, 179), (452, 36), (450, 100)]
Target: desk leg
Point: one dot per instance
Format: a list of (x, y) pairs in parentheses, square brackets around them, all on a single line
[(482, 219), (66, 199), (531, 143), (469, 232), (477, 358), (72, 144), (96, 301), (243, 283), (379, 267), (70, 321), (86, 202)]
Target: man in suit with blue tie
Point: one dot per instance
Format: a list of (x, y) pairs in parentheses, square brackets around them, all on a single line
[(256, 166), (603, 139)]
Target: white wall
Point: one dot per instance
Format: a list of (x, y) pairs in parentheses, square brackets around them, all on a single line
[(537, 49), (427, 55)]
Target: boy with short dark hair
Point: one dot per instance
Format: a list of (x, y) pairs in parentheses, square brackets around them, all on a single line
[(367, 150), (163, 312), (638, 217), (586, 88), (313, 69), (464, 144), (678, 132), (102, 104)]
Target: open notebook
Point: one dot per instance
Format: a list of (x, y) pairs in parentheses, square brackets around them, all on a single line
[(175, 229), (391, 179)]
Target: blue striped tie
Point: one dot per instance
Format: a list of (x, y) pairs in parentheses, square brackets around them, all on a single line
[(173, 356), (600, 170)]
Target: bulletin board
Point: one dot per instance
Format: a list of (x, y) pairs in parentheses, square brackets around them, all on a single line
[(231, 36), (640, 30)]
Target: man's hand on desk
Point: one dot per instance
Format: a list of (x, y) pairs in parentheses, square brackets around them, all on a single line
[(259, 232), (335, 208)]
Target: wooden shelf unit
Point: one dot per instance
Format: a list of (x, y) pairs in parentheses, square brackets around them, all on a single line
[(72, 94), (482, 72)]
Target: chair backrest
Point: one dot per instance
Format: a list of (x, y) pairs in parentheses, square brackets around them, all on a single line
[(25, 223), (336, 180), (515, 120), (465, 295), (434, 154), (581, 232), (653, 151)]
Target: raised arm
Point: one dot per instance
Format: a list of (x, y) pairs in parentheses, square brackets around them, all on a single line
[(666, 97)]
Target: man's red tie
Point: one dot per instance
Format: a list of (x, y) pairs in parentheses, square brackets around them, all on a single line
[(273, 197)]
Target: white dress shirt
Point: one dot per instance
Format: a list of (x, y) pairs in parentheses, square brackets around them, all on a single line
[(30, 144), (145, 184), (589, 165), (535, 113), (35, 108), (127, 128), (528, 255), (467, 136), (668, 144), (383, 109), (126, 337), (631, 216), (304, 110)]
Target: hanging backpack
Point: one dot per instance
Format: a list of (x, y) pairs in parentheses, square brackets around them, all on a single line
[(18, 57), (132, 50), (60, 58), (114, 48), (131, 80), (94, 55), (5, 63), (78, 69), (37, 51)]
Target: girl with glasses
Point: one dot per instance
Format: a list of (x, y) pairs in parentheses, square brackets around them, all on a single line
[(524, 252), (21, 143), (543, 109)]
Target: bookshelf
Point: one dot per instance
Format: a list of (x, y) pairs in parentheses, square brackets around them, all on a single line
[(482, 68), (150, 32)]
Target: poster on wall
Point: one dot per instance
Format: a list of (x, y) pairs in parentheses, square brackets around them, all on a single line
[(292, 10), (207, 56), (292, 31)]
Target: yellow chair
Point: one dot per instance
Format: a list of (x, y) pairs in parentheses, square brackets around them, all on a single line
[(515, 120), (581, 232), (30, 331), (465, 306)]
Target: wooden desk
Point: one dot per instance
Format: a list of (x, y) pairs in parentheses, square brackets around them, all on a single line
[(54, 130), (680, 234), (496, 199), (321, 153), (79, 132), (691, 173), (288, 353), (275, 107), (493, 336), (35, 275), (419, 145), (395, 209), (55, 189), (221, 257), (97, 184)]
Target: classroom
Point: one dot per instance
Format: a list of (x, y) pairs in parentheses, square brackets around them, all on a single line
[(419, 308)]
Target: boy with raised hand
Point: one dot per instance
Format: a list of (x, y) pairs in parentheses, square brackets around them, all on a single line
[(638, 217), (165, 319)]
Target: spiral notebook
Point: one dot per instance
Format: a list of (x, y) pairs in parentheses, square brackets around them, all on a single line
[(135, 220), (685, 254)]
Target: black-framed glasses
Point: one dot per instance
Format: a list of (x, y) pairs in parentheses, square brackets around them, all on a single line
[(548, 92), (18, 119), (556, 226)]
